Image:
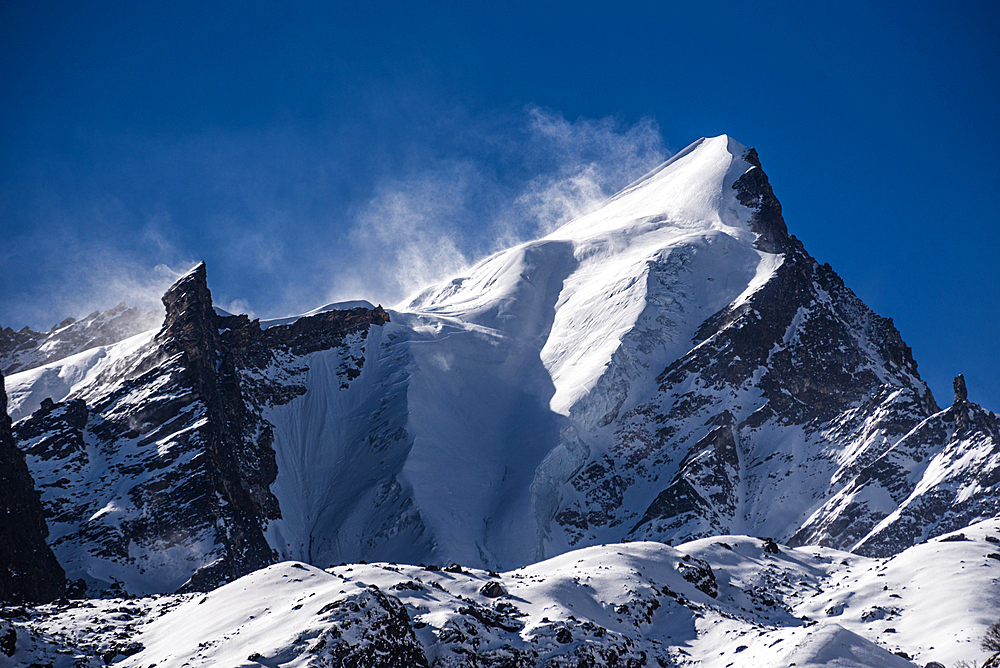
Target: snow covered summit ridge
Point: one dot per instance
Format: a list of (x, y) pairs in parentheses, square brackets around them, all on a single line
[(690, 191), (678, 237)]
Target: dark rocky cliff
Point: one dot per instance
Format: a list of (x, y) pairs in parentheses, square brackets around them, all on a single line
[(801, 360), (239, 468), (28, 568)]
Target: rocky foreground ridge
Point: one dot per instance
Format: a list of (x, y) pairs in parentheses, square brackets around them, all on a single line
[(723, 601)]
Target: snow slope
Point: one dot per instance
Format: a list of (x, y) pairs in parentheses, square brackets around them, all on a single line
[(647, 603), (69, 375), (504, 365), (583, 287), (486, 378)]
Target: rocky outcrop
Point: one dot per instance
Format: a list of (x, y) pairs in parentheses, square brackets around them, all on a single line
[(699, 573), (928, 474), (946, 474), (214, 350), (703, 492), (159, 472), (384, 637), (239, 463), (960, 407), (753, 190), (28, 568)]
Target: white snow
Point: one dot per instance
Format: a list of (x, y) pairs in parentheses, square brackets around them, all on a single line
[(58, 380), (599, 270), (557, 334), (804, 606)]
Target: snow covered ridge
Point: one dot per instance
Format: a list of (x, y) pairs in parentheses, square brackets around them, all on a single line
[(26, 349), (670, 367), (723, 601)]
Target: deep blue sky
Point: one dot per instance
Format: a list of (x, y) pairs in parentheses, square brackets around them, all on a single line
[(272, 141)]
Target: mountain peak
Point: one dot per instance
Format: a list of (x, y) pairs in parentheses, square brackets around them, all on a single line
[(189, 297), (692, 192), (190, 323), (196, 276)]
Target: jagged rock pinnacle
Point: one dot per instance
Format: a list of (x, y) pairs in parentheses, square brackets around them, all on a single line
[(190, 324), (188, 296), (960, 392), (753, 190)]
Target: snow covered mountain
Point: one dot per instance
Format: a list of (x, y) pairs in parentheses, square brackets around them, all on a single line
[(670, 367)]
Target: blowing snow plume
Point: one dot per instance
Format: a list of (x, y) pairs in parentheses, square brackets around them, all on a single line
[(538, 173), (292, 216)]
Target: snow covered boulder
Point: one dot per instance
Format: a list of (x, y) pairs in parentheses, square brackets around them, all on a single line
[(699, 573), (770, 547), (369, 629), (493, 589)]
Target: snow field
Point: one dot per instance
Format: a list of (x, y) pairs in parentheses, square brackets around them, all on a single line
[(808, 606)]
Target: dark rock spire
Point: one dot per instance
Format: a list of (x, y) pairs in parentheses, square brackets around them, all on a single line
[(960, 392), (191, 329), (961, 405), (753, 190)]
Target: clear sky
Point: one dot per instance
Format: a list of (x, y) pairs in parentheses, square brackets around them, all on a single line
[(317, 151)]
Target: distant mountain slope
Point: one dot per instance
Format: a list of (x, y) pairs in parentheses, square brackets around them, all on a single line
[(27, 349)]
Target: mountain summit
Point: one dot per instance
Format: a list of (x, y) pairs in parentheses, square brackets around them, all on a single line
[(671, 366)]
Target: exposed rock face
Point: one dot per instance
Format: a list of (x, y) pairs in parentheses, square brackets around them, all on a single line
[(28, 569), (801, 365), (946, 472), (157, 475), (942, 475), (753, 190), (239, 464), (961, 405), (384, 639), (27, 349), (699, 573), (8, 638), (961, 394)]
